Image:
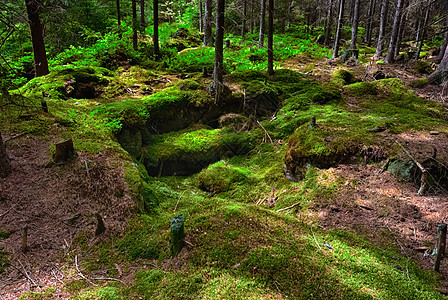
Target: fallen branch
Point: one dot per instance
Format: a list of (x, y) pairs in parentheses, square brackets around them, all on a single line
[(27, 275), (108, 279), (80, 273), (315, 239), (179, 200), (424, 178), (265, 132), (289, 207)]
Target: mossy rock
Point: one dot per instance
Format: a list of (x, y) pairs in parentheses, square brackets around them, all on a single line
[(344, 77), (188, 85), (422, 67), (220, 177), (418, 83), (362, 88)]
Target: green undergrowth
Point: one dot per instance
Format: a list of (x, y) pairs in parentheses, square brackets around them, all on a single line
[(46, 294)]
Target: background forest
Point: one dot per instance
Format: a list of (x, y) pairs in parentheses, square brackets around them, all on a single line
[(250, 149)]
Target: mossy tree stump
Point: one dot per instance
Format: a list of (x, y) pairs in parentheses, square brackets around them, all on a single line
[(64, 151)]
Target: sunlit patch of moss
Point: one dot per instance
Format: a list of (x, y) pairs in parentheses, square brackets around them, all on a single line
[(46, 294), (362, 88), (220, 177), (101, 293)]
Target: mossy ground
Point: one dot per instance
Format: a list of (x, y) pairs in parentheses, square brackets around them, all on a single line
[(239, 246)]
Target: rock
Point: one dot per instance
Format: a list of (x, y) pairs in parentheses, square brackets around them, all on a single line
[(434, 133), (378, 75)]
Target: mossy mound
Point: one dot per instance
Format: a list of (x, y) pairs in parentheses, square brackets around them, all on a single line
[(78, 83), (422, 67), (362, 88), (220, 177), (418, 83), (344, 77), (188, 152)]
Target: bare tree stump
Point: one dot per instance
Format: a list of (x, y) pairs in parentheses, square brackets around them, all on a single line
[(100, 228), (441, 244), (25, 238), (44, 105), (64, 151)]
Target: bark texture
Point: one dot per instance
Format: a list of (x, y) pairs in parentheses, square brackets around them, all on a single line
[(142, 16), (440, 75), (271, 38), (328, 23), (5, 165), (134, 24), (156, 29), (37, 39), (339, 28), (383, 20), (394, 36), (219, 50), (208, 41), (262, 24), (355, 25)]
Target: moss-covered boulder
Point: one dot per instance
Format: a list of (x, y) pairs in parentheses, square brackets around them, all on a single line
[(344, 77), (220, 177)]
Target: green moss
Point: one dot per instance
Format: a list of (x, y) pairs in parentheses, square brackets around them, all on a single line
[(220, 177), (101, 293), (418, 83), (46, 294), (422, 67), (344, 77), (188, 85), (4, 234), (362, 88), (4, 261)]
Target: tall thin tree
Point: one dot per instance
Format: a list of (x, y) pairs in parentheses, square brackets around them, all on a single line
[(383, 20), (262, 24), (37, 39), (444, 43), (355, 25), (134, 24), (393, 38), (338, 29), (271, 38), (208, 40), (218, 70), (328, 23), (369, 27), (156, 29), (243, 25), (142, 16), (424, 23), (201, 17)]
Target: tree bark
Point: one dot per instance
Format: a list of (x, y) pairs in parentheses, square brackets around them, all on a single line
[(201, 17), (423, 30), (118, 13), (328, 23), (243, 25), (383, 20), (37, 39), (134, 24), (208, 41), (400, 35), (156, 29), (355, 25), (339, 28), (219, 50), (440, 75), (5, 164), (444, 44), (262, 24), (142, 16), (271, 38), (371, 12), (393, 39)]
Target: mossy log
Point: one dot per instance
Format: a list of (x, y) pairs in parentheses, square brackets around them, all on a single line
[(64, 151)]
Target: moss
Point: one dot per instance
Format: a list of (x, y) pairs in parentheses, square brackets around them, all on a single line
[(4, 261), (422, 67), (188, 85), (418, 83), (101, 293), (344, 77), (220, 177), (46, 294), (4, 234), (249, 75), (362, 88)]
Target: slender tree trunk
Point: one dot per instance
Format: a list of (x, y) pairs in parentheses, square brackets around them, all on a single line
[(142, 16), (118, 13), (400, 34), (423, 30), (262, 24), (252, 13), (355, 25), (208, 41), (5, 165), (369, 29), (134, 25), (156, 29), (383, 20), (328, 23), (393, 39), (201, 17), (37, 39), (339, 29), (243, 25), (219, 50), (444, 43), (440, 75), (271, 38)]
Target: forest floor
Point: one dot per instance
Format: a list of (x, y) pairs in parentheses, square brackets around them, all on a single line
[(57, 203)]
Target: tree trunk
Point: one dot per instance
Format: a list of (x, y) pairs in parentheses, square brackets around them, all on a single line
[(243, 25), (37, 39), (383, 20), (156, 29), (444, 44), (201, 17), (118, 13), (423, 30), (339, 29), (328, 23), (393, 39), (271, 38), (142, 16), (369, 29), (440, 75), (134, 24), (355, 25), (262, 24), (5, 165), (208, 41), (219, 50), (400, 35)]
